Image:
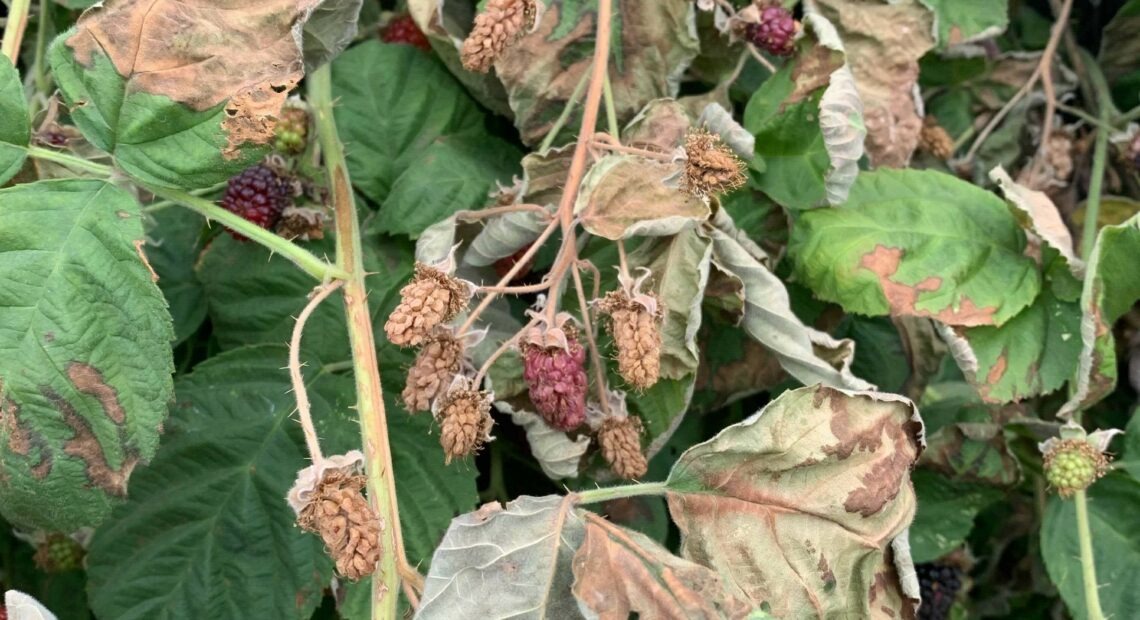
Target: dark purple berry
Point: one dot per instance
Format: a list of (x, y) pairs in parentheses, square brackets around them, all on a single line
[(939, 585), (259, 195), (775, 33)]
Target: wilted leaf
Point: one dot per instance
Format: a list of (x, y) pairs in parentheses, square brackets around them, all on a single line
[(506, 561), (85, 356), (1044, 218), (966, 21), (718, 120), (620, 573), (917, 243), (329, 29), (808, 355), (651, 46), (680, 267), (660, 126), (557, 454), (972, 453), (946, 513), (796, 506), (15, 129), (733, 366), (1115, 533), (883, 44), (1112, 285), (624, 196), (176, 92), (1120, 47), (505, 235), (840, 117)]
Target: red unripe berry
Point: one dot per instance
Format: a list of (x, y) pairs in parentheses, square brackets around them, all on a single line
[(403, 29), (556, 379), (775, 33)]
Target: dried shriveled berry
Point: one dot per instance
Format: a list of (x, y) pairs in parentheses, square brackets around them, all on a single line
[(933, 139), (497, 28), (710, 166), (775, 33), (259, 194), (430, 299), (436, 365), (938, 585), (339, 514), (464, 419), (302, 223), (1072, 465), (402, 29), (59, 553), (556, 378), (620, 439), (635, 324), (1059, 156)]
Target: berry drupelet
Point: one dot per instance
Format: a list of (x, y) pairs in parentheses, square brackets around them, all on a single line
[(259, 194)]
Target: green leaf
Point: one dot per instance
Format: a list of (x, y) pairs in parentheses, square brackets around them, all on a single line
[(453, 174), (174, 241), (879, 349), (85, 357), (967, 21), (791, 146), (795, 506), (917, 243), (15, 128), (1112, 285), (518, 556), (329, 30), (972, 452), (946, 513), (1115, 534), (661, 408), (557, 454), (207, 531), (393, 102)]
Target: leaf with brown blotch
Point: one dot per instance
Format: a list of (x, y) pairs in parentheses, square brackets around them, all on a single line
[(883, 43), (620, 572), (1044, 218), (796, 506), (625, 195)]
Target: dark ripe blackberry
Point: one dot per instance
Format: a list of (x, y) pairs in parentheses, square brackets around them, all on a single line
[(259, 195), (939, 585), (775, 33)]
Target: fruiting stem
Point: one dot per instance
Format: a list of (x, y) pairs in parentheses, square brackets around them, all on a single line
[(503, 348), (306, 260), (1096, 180), (159, 205), (1088, 566), (515, 290), (472, 216), (611, 109), (303, 411), (71, 161), (633, 151), (14, 30), (40, 78), (593, 496), (366, 371), (587, 327), (560, 122)]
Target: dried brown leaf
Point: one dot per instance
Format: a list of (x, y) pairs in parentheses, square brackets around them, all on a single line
[(625, 195)]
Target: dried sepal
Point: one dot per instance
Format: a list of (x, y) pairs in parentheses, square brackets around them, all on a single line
[(430, 299), (501, 24), (464, 418), (328, 500), (710, 165), (436, 365), (620, 440)]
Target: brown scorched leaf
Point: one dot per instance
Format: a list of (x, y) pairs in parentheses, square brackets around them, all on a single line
[(620, 572), (797, 507), (625, 195)]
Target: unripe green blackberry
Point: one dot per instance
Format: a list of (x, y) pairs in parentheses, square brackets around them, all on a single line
[(1072, 465), (292, 130), (59, 553)]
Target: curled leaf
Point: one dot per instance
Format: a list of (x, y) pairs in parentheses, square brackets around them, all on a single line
[(505, 235), (1044, 217), (625, 196), (557, 454)]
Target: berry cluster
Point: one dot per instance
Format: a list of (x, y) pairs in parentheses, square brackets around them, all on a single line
[(1072, 465), (939, 585), (775, 33), (259, 194)]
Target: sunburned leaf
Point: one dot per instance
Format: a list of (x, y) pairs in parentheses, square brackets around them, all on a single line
[(652, 44), (661, 126), (557, 454), (1112, 285), (883, 44), (796, 506), (918, 243), (85, 358), (808, 355), (176, 92), (15, 129), (1044, 218), (619, 573), (624, 196), (521, 553)]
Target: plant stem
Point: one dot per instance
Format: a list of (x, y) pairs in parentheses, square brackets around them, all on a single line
[(71, 161), (299, 390), (593, 496), (306, 260), (40, 76), (560, 122), (1096, 181), (164, 204), (1088, 567), (369, 394), (611, 109), (14, 31)]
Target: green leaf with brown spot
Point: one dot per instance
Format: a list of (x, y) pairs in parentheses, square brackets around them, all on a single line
[(813, 489), (85, 357), (967, 21), (917, 243)]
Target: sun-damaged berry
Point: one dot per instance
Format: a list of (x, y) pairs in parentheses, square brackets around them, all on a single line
[(620, 440), (710, 166), (464, 418), (259, 194), (59, 553), (339, 514), (555, 376), (939, 585), (302, 224), (635, 325), (402, 29), (775, 33), (497, 28), (436, 365), (934, 139), (1072, 465), (430, 299)]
